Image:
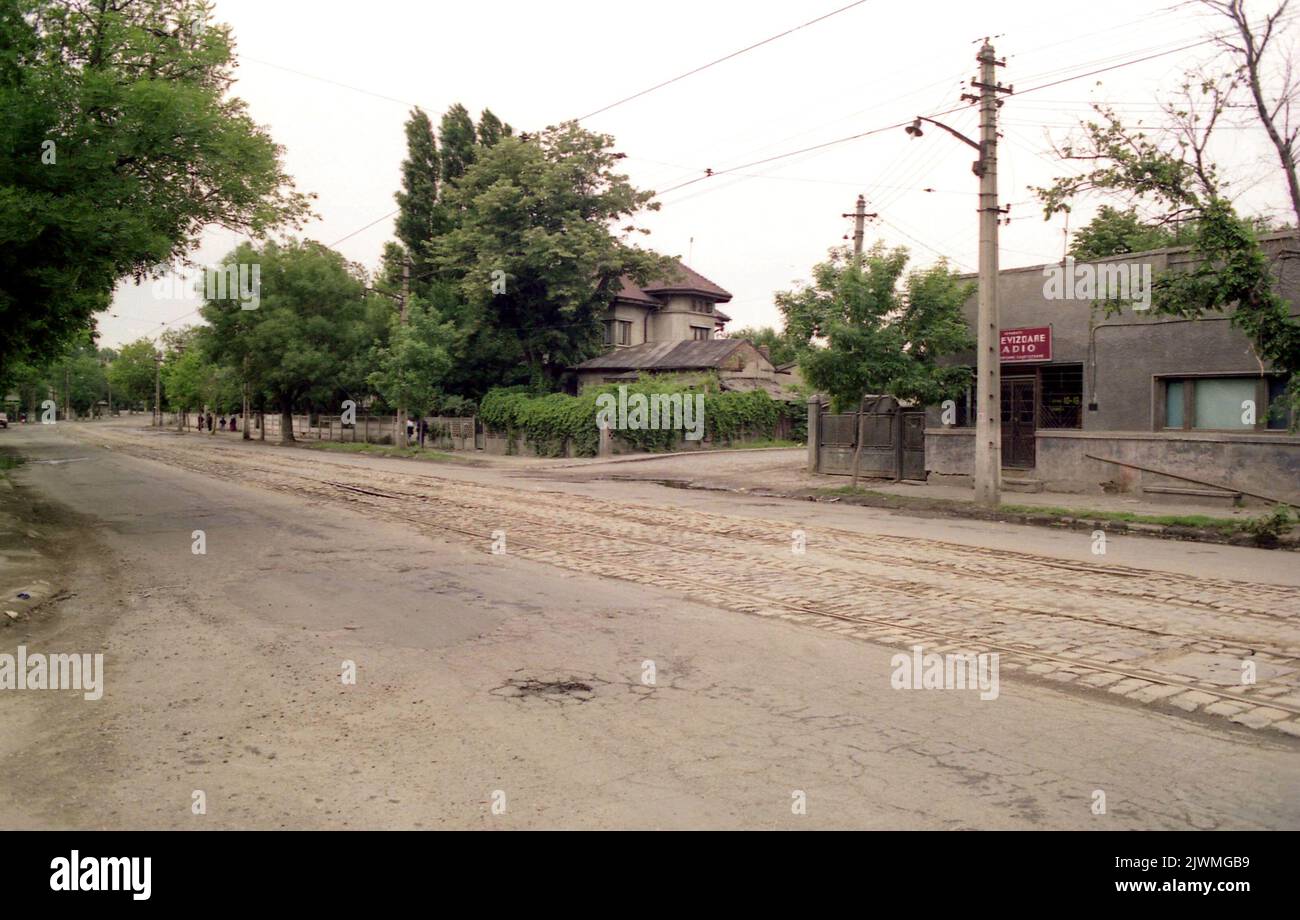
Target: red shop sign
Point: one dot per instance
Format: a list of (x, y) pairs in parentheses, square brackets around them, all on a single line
[(1033, 344)]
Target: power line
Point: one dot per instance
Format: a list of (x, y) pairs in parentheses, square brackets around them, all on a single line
[(710, 173), (720, 60)]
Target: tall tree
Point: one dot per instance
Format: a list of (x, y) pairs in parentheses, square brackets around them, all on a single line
[(307, 332), (491, 129), (459, 139), (531, 253), (884, 332), (117, 146), (418, 219), (410, 368), (132, 373), (1251, 46)]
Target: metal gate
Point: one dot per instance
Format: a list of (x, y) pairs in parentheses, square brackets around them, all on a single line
[(893, 440)]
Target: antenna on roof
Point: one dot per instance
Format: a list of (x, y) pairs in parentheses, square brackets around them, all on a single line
[(690, 258)]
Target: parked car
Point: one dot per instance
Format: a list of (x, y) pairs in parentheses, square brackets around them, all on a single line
[(4, 420)]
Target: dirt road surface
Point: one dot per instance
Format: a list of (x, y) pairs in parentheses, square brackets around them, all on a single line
[(629, 656)]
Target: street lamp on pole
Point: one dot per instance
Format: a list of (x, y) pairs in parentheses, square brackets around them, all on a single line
[(988, 380)]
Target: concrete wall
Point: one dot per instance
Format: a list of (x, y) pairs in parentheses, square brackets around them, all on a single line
[(1268, 464)]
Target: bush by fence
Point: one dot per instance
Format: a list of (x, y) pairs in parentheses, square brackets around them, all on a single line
[(556, 424)]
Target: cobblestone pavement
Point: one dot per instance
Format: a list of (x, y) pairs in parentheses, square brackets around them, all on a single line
[(1177, 641)]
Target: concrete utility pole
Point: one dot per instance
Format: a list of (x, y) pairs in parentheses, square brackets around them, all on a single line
[(988, 385), (859, 216), (157, 390), (988, 373), (399, 436)]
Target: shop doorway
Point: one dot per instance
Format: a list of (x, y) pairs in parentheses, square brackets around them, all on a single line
[(1019, 418)]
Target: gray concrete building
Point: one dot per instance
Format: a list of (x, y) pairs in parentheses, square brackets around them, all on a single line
[(1170, 400)]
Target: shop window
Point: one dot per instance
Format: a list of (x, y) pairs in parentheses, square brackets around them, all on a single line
[(1279, 410), (1226, 403), (1061, 396), (1175, 413)]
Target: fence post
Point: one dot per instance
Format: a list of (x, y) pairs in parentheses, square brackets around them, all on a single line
[(814, 432)]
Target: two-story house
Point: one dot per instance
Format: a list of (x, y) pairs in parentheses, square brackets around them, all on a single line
[(683, 308), (672, 326)]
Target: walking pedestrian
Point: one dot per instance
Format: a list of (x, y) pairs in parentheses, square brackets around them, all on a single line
[(211, 427)]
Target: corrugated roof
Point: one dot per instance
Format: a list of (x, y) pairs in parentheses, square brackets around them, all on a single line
[(666, 356)]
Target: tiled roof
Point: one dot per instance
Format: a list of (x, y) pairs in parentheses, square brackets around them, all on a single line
[(682, 280), (666, 356), (628, 290)]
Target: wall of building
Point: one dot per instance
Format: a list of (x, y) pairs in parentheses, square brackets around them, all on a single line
[(673, 321), (1132, 349), (1265, 463), (633, 314)]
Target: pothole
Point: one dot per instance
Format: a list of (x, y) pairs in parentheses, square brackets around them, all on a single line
[(566, 689)]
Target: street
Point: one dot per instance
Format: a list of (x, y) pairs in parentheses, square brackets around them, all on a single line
[(538, 651)]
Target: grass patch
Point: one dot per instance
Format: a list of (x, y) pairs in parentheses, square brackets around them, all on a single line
[(759, 444), (1131, 517), (11, 462), (384, 450)]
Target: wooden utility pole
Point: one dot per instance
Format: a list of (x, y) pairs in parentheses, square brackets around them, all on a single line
[(988, 383)]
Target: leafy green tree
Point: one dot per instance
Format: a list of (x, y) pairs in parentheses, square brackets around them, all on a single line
[(118, 144), (132, 373), (459, 139), (1115, 232), (532, 256), (884, 333), (412, 366), (418, 218), (184, 377), (780, 347), (491, 129), (78, 377), (307, 333)]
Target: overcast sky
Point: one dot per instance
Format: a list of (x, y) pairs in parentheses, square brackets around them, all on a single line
[(335, 82)]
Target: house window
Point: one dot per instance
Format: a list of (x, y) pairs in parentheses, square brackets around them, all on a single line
[(1226, 403), (699, 333), (701, 306), (618, 332)]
